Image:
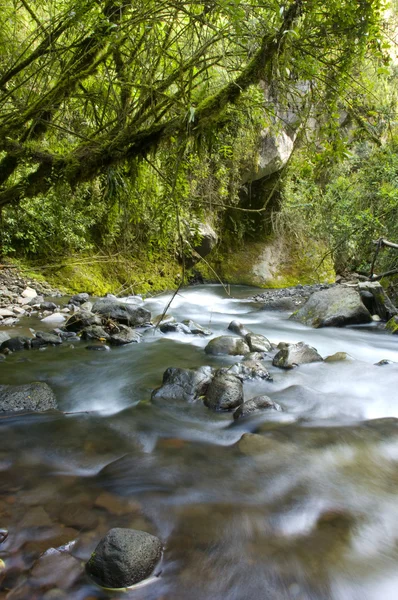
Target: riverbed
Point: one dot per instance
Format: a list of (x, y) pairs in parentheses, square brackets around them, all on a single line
[(305, 510)]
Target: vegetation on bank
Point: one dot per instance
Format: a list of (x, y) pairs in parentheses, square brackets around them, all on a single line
[(122, 125)]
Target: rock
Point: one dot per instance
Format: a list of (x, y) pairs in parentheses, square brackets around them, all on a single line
[(195, 328), (227, 344), (9, 321), (384, 362), (5, 312), (124, 557), (334, 307), (79, 298), (183, 384), (254, 356), (238, 328), (225, 392), (124, 335), (376, 300), (29, 293), (295, 354), (128, 314), (87, 306), (43, 338), (258, 343), (95, 332), (208, 239), (337, 357), (75, 515), (250, 369), (15, 344), (36, 301), (98, 348), (56, 317), (48, 306), (163, 319), (19, 311), (392, 325), (81, 320), (256, 405), (35, 396), (173, 327), (252, 444), (56, 569)]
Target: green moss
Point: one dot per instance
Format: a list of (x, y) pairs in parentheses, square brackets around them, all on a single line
[(392, 325)]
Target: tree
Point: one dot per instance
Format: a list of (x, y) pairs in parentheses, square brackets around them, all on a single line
[(87, 85)]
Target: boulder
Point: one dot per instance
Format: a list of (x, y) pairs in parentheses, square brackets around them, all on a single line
[(43, 338), (81, 320), (338, 357), (255, 405), (195, 328), (174, 327), (29, 293), (292, 355), (94, 332), (6, 312), (123, 335), (124, 557), (48, 306), (376, 300), (227, 344), (56, 317), (258, 343), (79, 298), (207, 239), (238, 328), (35, 396), (250, 369), (333, 307), (15, 344), (225, 392), (183, 384), (127, 314)]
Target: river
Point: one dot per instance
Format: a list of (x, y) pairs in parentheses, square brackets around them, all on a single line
[(308, 511)]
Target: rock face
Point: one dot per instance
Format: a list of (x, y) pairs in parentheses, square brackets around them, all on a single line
[(334, 307), (32, 396), (225, 392), (227, 344), (292, 355), (208, 239), (124, 557), (183, 384), (127, 314), (256, 405)]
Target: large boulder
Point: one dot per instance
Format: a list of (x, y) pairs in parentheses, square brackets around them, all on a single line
[(227, 344), (376, 300), (225, 392), (35, 396), (183, 384), (82, 319), (127, 314), (292, 355), (237, 328), (334, 307), (255, 405), (124, 557)]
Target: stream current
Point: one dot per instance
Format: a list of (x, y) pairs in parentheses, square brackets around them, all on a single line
[(307, 511)]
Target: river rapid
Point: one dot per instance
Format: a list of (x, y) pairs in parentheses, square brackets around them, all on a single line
[(307, 511)]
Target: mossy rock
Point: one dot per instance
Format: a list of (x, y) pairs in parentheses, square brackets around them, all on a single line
[(392, 325)]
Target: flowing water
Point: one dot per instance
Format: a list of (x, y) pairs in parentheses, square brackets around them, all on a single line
[(306, 510)]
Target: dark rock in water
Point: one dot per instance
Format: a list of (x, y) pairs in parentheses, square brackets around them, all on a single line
[(128, 314), (293, 355), (174, 328), (124, 557), (376, 300), (15, 344), (258, 343), (334, 307), (238, 328), (65, 335), (95, 332), (195, 328), (227, 344), (384, 362), (225, 391), (250, 369), (256, 405), (48, 306), (98, 348), (124, 335), (183, 384), (35, 396), (43, 338), (78, 299), (81, 320)]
